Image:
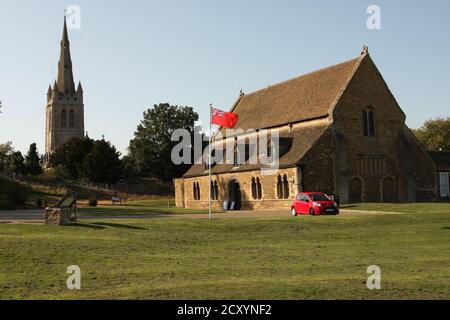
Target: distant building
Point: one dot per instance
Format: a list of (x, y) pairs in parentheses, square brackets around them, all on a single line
[(65, 108), (442, 161), (341, 132)]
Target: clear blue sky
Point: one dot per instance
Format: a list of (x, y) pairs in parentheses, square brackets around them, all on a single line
[(132, 54)]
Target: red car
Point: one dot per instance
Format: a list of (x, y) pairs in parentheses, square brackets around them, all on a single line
[(313, 203)]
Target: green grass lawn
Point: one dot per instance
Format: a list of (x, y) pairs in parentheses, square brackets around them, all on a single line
[(141, 207), (292, 258), (437, 207)]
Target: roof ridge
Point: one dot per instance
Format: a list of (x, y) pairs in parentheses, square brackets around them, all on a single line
[(303, 75), (347, 82)]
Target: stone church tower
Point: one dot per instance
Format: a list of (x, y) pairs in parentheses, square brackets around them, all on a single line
[(65, 108)]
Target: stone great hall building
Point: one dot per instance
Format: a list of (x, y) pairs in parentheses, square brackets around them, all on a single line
[(341, 132)]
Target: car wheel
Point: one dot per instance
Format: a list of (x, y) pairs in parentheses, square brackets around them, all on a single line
[(311, 211), (293, 212)]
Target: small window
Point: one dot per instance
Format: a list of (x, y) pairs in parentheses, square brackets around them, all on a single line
[(196, 191), (216, 190), (71, 119), (63, 119), (50, 121), (258, 189), (285, 187), (368, 123), (254, 192), (279, 188)]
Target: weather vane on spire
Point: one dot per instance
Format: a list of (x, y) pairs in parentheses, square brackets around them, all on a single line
[(73, 16)]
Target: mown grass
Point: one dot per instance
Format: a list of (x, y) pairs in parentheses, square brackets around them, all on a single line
[(436, 207), (291, 258), (139, 207)]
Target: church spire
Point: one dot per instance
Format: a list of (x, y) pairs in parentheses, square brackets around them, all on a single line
[(65, 74)]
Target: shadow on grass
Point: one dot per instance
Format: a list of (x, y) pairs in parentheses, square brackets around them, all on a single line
[(86, 225), (446, 228), (104, 225), (118, 225)]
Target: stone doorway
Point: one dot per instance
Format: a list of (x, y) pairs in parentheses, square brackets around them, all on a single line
[(235, 196)]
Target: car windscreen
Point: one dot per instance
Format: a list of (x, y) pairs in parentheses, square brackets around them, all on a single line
[(319, 197)]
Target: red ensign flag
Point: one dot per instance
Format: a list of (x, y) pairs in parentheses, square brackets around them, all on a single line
[(224, 119)]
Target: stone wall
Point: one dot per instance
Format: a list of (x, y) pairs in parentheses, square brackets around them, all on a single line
[(184, 196), (57, 216), (317, 166), (55, 134), (391, 159)]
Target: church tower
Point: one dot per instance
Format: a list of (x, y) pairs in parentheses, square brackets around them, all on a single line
[(65, 108)]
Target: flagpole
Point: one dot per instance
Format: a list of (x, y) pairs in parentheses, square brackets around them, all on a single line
[(209, 160)]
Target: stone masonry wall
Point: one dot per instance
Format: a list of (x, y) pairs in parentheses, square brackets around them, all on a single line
[(392, 155), (184, 190)]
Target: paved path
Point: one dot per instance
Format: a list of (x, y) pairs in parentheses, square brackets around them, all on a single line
[(37, 215)]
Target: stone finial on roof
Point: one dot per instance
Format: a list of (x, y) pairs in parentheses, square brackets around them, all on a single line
[(365, 50)]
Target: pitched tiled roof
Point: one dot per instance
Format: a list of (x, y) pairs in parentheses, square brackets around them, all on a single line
[(306, 97), (295, 144), (441, 159)]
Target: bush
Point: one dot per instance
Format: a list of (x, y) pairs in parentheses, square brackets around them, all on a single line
[(17, 194), (92, 202), (58, 172), (39, 202)]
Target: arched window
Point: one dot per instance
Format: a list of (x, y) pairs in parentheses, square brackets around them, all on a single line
[(279, 188), (285, 187), (368, 123), (216, 190), (371, 124), (198, 192), (254, 192), (63, 119), (258, 188), (71, 119), (194, 191)]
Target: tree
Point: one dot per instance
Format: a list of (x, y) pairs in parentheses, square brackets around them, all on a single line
[(150, 149), (6, 149), (32, 161), (71, 155), (435, 134), (102, 164), (16, 162)]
